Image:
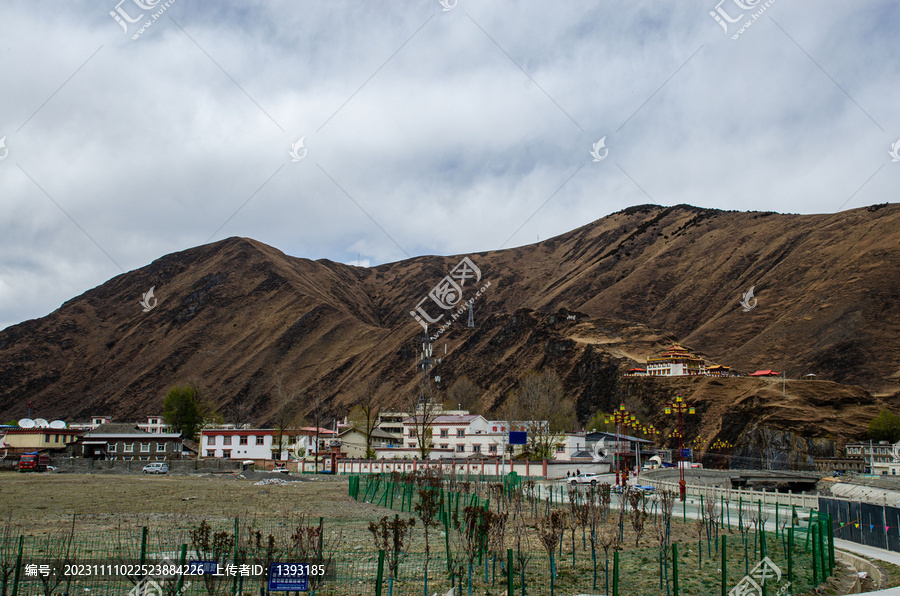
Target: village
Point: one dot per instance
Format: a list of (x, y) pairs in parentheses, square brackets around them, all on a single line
[(392, 440)]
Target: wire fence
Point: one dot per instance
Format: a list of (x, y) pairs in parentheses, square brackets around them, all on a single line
[(236, 555)]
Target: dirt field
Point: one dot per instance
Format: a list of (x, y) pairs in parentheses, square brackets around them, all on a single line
[(40, 502)]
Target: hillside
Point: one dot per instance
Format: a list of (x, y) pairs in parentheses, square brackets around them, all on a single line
[(237, 315)]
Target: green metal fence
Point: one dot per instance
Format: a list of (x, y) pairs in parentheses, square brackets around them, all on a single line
[(801, 551)]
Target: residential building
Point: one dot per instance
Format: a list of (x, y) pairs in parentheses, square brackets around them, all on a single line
[(262, 443), (127, 442), (765, 373), (94, 423), (718, 371), (675, 362), (22, 440), (870, 452), (154, 424), (353, 441)]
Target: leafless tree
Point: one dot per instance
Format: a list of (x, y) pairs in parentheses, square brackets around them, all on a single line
[(638, 502), (550, 531), (465, 394), (365, 412), (664, 510), (424, 408), (428, 509), (390, 536), (542, 405)]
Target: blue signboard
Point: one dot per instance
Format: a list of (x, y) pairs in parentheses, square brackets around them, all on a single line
[(518, 437), (288, 577), (685, 453)]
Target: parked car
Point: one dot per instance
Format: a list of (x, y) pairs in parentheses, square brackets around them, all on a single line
[(157, 467), (584, 478), (282, 468)]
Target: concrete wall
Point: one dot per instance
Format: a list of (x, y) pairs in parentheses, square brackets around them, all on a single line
[(533, 469)]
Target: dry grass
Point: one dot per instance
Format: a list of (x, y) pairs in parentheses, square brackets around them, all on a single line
[(40, 502)]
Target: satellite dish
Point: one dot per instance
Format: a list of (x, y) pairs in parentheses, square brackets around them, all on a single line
[(26, 423), (41, 423), (57, 424)]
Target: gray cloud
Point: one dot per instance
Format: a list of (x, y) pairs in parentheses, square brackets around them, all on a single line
[(425, 118)]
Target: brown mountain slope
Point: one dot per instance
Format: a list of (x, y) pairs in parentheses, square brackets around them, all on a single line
[(237, 314)]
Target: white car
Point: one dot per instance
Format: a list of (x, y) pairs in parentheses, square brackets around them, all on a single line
[(584, 478), (157, 467)]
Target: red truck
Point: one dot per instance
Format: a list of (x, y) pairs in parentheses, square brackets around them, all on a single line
[(34, 462)]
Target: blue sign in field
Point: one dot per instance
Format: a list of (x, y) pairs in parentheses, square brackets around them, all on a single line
[(288, 577)]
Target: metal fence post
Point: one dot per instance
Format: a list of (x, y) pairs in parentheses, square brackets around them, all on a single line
[(831, 541), (182, 561), (815, 557), (724, 565), (143, 544), (675, 569), (15, 590), (379, 575), (790, 556), (616, 573), (509, 572)]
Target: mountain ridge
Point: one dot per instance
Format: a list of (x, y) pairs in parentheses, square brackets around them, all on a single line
[(239, 316)]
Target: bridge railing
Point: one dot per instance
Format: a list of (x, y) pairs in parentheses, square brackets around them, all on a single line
[(766, 497)]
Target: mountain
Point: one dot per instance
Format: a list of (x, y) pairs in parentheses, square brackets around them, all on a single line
[(239, 316)]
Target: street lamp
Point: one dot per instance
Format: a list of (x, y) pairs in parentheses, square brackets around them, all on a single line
[(722, 445), (679, 408), (620, 418)]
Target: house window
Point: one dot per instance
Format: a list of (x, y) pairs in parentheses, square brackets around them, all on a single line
[(112, 448), (243, 440), (128, 457), (46, 438), (412, 445), (492, 449), (210, 453), (476, 448), (160, 458), (444, 446), (56, 439), (210, 440), (160, 446), (227, 440), (460, 432), (260, 440), (460, 448), (560, 449), (145, 458), (445, 433), (145, 447), (129, 447), (226, 453)]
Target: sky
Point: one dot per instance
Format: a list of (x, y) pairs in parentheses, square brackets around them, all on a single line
[(370, 132)]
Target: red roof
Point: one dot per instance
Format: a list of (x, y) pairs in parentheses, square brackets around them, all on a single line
[(765, 373)]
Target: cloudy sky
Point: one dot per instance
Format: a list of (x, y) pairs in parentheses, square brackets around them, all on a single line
[(133, 129)]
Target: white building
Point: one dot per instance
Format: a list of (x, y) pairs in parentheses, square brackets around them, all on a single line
[(154, 424), (261, 443)]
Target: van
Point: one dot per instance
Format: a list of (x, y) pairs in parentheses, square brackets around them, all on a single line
[(34, 462), (157, 467)]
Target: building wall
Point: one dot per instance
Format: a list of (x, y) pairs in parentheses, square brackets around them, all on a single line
[(44, 438)]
